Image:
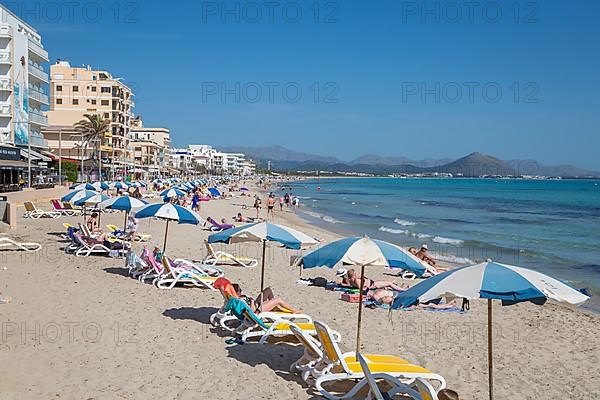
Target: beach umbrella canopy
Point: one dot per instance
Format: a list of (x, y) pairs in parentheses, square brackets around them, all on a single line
[(363, 252), (491, 280), (172, 192), (169, 212), (120, 185), (214, 192), (74, 196), (99, 186), (122, 203), (264, 232), (91, 200), (83, 186)]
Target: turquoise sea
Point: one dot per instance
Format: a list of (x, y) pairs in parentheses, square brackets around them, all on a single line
[(549, 225)]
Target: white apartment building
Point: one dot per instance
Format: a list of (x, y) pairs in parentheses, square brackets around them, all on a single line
[(151, 147), (23, 83), (215, 162), (180, 159)]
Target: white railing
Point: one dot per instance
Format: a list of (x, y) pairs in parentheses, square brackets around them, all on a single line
[(5, 31), (5, 108), (38, 49), (38, 141), (36, 118), (38, 72), (38, 96), (5, 84), (5, 56)]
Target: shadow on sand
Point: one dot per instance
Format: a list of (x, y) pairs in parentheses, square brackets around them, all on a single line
[(117, 271)]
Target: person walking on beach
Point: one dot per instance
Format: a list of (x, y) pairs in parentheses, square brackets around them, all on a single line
[(286, 199), (196, 202), (270, 206), (281, 201), (257, 205)]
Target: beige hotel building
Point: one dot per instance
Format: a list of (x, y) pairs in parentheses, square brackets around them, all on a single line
[(76, 91)]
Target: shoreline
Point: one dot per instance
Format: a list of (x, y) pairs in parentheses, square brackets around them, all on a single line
[(131, 340)]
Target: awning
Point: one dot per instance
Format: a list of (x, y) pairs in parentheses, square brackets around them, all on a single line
[(34, 155), (11, 164)]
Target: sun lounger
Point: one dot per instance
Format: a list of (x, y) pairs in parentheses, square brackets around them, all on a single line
[(224, 319), (336, 366), (155, 269), (218, 227), (7, 244), (173, 275), (139, 237), (312, 353), (214, 258), (416, 390), (58, 207), (31, 211), (271, 326), (89, 246)]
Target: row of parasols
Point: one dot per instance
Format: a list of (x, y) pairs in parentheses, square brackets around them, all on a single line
[(488, 280)]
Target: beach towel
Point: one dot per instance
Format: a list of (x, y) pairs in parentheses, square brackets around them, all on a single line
[(237, 307), (226, 286)]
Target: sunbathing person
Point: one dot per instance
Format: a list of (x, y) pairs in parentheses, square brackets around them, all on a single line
[(351, 279), (266, 302), (422, 254)]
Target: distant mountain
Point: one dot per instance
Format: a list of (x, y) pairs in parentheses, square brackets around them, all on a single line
[(472, 165), (476, 164), (277, 153)]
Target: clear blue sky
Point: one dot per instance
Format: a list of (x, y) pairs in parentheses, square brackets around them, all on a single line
[(375, 55)]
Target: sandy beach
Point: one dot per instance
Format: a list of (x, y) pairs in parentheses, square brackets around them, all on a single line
[(80, 328)]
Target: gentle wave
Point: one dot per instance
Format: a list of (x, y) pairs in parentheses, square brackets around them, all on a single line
[(444, 240), (325, 218), (404, 222), (452, 259), (391, 230)]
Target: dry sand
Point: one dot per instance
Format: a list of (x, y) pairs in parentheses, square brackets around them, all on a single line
[(79, 328)]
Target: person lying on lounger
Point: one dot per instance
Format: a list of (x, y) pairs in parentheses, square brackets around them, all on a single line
[(351, 279), (266, 302)]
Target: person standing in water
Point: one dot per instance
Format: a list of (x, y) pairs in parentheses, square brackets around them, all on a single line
[(270, 206)]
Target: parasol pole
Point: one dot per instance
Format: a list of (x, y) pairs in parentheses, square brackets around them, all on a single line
[(262, 273), (490, 362), (125, 222), (165, 242), (360, 301)]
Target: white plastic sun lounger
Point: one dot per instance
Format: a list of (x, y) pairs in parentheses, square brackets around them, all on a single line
[(7, 244)]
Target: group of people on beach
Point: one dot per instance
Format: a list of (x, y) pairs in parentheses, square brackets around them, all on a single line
[(286, 200)]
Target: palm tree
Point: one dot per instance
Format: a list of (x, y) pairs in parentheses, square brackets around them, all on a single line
[(92, 128)]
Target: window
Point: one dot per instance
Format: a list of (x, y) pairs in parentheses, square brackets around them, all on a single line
[(104, 102), (105, 89), (59, 88), (93, 88), (76, 88), (93, 101), (75, 102), (106, 116), (58, 101)]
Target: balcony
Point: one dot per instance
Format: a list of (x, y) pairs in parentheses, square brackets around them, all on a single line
[(5, 84), (37, 71), (38, 141), (37, 118), (38, 96), (5, 57), (5, 109), (37, 49), (5, 31)]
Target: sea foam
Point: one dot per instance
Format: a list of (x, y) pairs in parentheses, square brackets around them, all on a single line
[(404, 222), (444, 240), (391, 230)]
